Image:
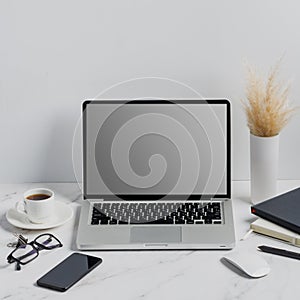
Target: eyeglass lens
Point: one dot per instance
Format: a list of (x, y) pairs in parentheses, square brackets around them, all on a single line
[(48, 241), (25, 253)]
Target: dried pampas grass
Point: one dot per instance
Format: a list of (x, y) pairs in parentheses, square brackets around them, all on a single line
[(267, 106)]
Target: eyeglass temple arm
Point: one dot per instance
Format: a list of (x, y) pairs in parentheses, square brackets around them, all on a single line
[(18, 266)]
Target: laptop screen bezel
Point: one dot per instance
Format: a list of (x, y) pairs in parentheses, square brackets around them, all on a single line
[(159, 196)]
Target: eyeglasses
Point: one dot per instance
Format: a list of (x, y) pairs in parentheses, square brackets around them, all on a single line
[(25, 252)]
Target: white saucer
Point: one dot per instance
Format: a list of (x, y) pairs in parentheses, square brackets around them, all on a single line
[(63, 213)]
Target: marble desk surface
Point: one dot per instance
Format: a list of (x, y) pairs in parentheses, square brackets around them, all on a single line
[(147, 274)]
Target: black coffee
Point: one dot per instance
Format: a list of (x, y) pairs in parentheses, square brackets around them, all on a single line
[(38, 197)]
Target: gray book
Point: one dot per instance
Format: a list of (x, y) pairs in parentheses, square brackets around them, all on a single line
[(283, 210)]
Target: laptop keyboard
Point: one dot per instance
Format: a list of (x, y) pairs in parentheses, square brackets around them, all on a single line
[(185, 213)]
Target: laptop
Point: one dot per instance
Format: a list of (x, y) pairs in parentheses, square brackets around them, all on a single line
[(156, 175)]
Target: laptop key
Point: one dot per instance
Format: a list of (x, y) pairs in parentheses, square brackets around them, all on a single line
[(95, 221), (123, 222), (180, 221), (199, 222)]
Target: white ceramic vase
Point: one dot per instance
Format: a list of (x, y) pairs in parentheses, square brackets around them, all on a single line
[(264, 167)]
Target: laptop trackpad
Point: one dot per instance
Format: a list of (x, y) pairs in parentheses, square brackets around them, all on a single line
[(155, 234)]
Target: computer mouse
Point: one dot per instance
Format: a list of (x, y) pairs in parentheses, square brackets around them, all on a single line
[(251, 264)]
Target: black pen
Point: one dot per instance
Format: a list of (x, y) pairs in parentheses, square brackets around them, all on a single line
[(280, 252)]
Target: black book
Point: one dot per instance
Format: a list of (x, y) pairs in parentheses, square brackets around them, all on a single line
[(283, 210)]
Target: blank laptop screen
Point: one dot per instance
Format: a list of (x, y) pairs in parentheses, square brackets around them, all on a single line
[(156, 148)]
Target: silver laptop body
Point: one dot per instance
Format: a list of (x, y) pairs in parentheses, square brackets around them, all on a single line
[(156, 175)]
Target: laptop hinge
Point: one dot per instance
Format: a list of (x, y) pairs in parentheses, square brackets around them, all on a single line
[(219, 199), (94, 200)]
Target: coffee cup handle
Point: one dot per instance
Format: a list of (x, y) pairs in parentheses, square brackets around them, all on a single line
[(20, 208)]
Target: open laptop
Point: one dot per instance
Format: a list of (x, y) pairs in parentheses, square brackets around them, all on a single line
[(156, 175)]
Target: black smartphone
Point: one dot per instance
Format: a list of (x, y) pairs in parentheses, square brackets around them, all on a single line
[(69, 271)]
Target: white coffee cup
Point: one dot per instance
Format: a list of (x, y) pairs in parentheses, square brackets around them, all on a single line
[(37, 205)]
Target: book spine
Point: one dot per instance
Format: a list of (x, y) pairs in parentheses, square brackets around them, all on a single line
[(275, 220)]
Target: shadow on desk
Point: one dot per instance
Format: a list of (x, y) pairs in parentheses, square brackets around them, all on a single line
[(234, 269), (244, 199), (75, 229)]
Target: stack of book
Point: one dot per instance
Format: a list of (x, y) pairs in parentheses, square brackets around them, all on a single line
[(279, 217)]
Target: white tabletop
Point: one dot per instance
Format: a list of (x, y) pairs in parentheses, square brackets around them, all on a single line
[(147, 274)]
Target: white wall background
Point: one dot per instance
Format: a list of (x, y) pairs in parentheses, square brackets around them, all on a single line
[(54, 54)]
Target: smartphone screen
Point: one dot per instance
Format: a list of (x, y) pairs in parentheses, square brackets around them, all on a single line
[(69, 271)]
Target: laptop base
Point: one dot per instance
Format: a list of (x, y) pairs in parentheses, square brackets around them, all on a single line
[(155, 237)]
